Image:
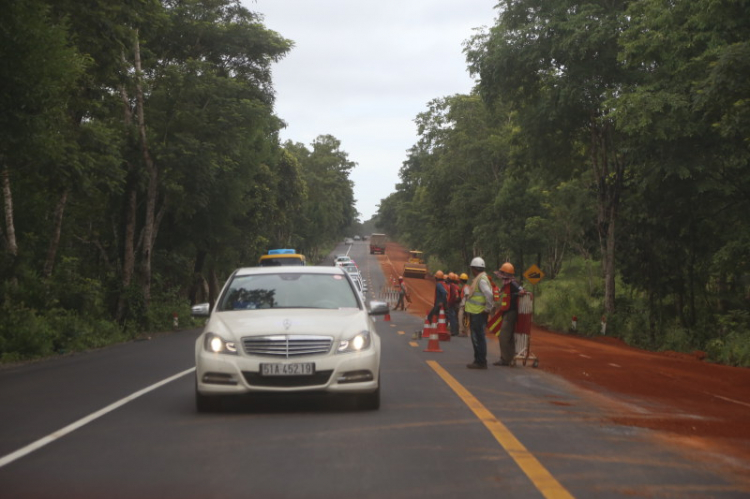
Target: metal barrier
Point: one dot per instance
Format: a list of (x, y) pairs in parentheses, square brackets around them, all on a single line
[(389, 295)]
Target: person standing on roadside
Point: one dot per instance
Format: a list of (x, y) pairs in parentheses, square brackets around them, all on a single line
[(454, 299), (463, 319), (479, 302), (441, 295), (403, 294), (510, 290)]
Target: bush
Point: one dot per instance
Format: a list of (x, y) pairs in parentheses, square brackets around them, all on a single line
[(24, 334), (732, 346), (27, 334), (161, 311), (569, 295)]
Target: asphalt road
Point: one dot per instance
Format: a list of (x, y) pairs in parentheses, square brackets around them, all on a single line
[(442, 431)]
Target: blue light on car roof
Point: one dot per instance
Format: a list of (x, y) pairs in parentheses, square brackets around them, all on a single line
[(281, 252)]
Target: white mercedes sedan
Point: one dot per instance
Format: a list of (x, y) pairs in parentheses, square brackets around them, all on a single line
[(288, 329)]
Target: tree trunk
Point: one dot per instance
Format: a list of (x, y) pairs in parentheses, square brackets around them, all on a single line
[(608, 173), (199, 288), (153, 179), (10, 229), (128, 252), (54, 242), (213, 286), (129, 217), (609, 268)]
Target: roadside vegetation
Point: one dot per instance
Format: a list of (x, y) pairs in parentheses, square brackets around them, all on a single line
[(140, 163), (607, 142)]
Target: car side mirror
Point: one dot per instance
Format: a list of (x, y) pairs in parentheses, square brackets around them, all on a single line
[(200, 310), (378, 308)]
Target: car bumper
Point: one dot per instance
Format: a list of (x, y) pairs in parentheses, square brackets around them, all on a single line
[(221, 374)]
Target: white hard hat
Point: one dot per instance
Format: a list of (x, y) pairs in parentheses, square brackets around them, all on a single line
[(477, 262)]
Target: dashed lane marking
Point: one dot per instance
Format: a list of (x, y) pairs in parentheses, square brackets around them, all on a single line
[(530, 465), (413, 344), (614, 365)]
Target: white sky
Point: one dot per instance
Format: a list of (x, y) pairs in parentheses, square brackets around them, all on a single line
[(362, 71)]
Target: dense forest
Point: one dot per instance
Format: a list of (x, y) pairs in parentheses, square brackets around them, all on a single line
[(141, 163), (608, 142)]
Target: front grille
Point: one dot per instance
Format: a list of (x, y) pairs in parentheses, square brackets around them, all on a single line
[(319, 378), (287, 345)]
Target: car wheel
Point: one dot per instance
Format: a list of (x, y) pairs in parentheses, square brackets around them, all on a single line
[(205, 403), (369, 401)]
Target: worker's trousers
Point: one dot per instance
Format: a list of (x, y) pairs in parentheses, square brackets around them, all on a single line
[(507, 337), (477, 324)]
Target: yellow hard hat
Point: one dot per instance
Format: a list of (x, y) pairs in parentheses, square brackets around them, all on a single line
[(464, 277)]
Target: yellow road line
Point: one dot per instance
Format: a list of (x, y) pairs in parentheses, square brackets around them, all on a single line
[(538, 474), (414, 344), (402, 332)]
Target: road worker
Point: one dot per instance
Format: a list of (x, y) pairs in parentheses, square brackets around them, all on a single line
[(478, 304), (463, 319), (441, 295), (403, 294), (454, 299), (510, 290)]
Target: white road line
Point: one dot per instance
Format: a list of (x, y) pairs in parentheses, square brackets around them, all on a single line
[(614, 365), (728, 399), (83, 421), (584, 356)]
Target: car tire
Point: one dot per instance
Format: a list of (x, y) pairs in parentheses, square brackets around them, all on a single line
[(206, 403), (369, 401)]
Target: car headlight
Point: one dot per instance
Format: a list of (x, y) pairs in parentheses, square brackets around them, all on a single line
[(357, 343), (216, 344)]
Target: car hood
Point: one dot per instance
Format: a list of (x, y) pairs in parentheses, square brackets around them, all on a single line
[(289, 321)]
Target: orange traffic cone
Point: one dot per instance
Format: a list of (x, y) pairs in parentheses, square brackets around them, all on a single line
[(426, 328), (434, 344), (442, 329), (387, 317)]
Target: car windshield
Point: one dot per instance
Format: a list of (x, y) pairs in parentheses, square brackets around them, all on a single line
[(287, 290)]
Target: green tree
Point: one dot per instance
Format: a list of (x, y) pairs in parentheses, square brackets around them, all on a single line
[(328, 209), (557, 63), (39, 70), (687, 114)]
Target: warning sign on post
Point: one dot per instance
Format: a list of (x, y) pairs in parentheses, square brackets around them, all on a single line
[(533, 274)]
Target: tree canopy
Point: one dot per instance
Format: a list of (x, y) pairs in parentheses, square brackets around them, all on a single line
[(141, 163), (614, 131)]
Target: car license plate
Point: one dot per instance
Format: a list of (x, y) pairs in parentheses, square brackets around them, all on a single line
[(294, 369)]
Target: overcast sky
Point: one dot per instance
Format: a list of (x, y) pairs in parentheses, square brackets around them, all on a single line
[(362, 71)]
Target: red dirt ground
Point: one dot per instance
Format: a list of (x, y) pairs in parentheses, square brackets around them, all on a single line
[(696, 403)]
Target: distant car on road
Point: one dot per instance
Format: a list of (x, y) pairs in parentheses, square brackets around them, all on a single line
[(288, 329), (277, 257), (340, 260)]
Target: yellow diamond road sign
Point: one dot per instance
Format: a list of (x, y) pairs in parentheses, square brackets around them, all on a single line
[(533, 274)]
